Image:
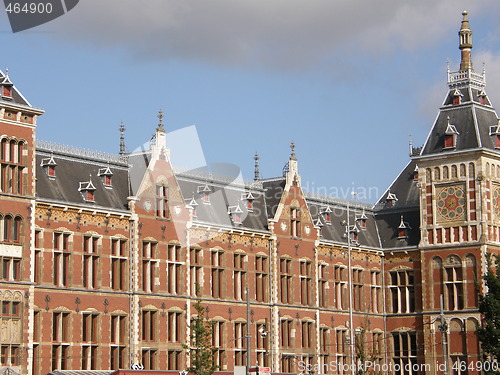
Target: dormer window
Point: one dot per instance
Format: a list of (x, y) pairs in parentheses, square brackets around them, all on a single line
[(403, 229), (361, 220), (450, 136), (192, 205), (205, 190), (249, 198), (390, 200), (106, 175), (327, 214), (49, 166), (495, 133), (415, 174), (7, 91), (6, 86), (353, 233), (235, 214), (456, 97), (482, 97), (87, 189), (318, 224)]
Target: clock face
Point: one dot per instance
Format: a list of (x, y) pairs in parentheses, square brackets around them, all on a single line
[(451, 203)]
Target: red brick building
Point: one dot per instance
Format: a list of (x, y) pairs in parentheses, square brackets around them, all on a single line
[(101, 254)]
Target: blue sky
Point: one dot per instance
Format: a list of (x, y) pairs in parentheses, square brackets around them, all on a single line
[(347, 80)]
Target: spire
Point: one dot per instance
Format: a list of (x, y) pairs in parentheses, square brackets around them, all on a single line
[(160, 124), (256, 173), (292, 147), (465, 37), (122, 139)]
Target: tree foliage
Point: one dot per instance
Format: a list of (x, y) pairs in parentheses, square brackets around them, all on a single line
[(201, 351), (489, 306)]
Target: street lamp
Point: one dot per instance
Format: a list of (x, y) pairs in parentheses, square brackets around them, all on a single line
[(349, 231)]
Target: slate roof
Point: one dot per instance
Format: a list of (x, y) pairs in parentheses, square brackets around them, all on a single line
[(71, 170), (405, 188), (224, 196), (335, 229), (472, 118)]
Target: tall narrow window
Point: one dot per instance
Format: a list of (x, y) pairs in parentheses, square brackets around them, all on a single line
[(162, 201), (149, 326), (261, 276), (239, 276), (60, 340), (174, 360), (322, 285), (217, 284), (285, 280), (149, 359), (307, 331), (90, 261), (357, 281), (295, 222), (118, 341), (240, 352), (340, 287), (341, 347), (305, 282), (174, 263), (119, 264), (149, 265), (375, 291), (287, 333), (218, 344), (454, 284), (61, 259), (262, 344), (195, 269), (174, 326)]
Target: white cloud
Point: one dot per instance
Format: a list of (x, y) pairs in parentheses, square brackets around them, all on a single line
[(277, 34)]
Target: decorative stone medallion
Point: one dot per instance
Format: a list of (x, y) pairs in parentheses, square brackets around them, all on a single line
[(451, 203), (283, 226), (147, 205), (496, 200)]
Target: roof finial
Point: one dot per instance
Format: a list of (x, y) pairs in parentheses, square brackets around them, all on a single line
[(411, 146), (160, 117), (256, 173), (122, 138), (292, 147), (465, 37)]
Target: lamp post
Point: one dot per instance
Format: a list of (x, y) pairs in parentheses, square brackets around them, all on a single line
[(349, 270)]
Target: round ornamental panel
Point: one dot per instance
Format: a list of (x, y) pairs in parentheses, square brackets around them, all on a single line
[(451, 203), (496, 201)]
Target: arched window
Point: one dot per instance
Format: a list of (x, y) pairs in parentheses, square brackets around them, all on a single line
[(4, 147), (10, 229)]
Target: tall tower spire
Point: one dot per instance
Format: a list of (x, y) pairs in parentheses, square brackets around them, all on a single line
[(122, 139), (465, 36), (256, 173)]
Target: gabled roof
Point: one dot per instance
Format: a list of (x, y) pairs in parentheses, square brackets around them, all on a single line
[(17, 97)]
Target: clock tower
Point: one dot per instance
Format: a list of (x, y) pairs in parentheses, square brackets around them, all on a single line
[(459, 185)]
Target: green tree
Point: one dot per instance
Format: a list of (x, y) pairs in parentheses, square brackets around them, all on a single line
[(489, 306), (201, 351), (365, 352)]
